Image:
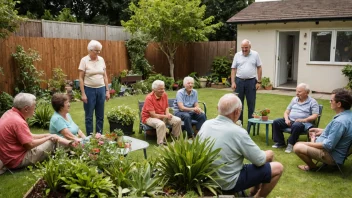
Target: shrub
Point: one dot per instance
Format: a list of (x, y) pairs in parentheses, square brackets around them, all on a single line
[(167, 80), (347, 71), (189, 166), (221, 67), (122, 114), (58, 82), (29, 78), (6, 101), (42, 115)]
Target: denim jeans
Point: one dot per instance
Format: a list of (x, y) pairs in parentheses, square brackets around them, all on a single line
[(246, 87), (95, 101), (279, 125), (187, 118)]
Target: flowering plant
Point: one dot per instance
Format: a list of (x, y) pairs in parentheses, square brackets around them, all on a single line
[(98, 151), (264, 112)]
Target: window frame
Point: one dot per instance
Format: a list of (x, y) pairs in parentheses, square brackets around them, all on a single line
[(332, 49)]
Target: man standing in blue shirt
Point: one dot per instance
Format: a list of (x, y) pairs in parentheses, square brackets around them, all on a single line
[(186, 106), (246, 66), (299, 115), (334, 140)]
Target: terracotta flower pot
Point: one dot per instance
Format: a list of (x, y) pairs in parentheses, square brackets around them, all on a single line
[(264, 118)]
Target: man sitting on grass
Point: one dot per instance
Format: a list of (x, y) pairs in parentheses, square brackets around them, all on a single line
[(334, 140), (18, 146), (236, 145)]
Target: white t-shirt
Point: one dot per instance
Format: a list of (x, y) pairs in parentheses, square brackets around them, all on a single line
[(93, 71), (246, 65)]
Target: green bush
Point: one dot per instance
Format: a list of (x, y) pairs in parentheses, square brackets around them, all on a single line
[(42, 115), (189, 166), (29, 78), (58, 82), (347, 71), (167, 80), (266, 82), (6, 101), (122, 114), (221, 67)]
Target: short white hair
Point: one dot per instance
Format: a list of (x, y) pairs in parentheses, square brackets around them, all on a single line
[(157, 83), (304, 86), (93, 44), (228, 104), (187, 79), (23, 99), (246, 41)]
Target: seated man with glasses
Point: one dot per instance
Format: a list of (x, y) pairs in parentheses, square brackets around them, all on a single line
[(235, 145), (334, 139), (155, 112)]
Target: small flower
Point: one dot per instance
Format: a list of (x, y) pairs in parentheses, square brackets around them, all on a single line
[(95, 150), (98, 135), (100, 143)]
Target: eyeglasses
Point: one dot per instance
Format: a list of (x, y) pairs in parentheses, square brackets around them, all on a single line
[(96, 51)]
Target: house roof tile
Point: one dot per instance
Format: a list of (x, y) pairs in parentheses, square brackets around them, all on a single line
[(294, 10)]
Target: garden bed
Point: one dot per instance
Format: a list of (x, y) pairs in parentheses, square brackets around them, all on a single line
[(38, 191)]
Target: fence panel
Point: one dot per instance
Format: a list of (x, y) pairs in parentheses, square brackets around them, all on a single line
[(96, 32), (67, 53), (53, 29), (30, 28)]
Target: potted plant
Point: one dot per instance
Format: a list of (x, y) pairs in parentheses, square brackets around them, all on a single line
[(256, 115), (122, 117), (264, 114), (119, 134), (203, 82), (266, 84)]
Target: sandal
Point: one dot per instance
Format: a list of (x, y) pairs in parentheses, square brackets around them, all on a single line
[(307, 168)]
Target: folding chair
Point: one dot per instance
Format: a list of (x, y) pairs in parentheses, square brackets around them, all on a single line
[(339, 166), (315, 124)]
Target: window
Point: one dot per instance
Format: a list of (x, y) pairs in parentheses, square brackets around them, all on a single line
[(331, 46)]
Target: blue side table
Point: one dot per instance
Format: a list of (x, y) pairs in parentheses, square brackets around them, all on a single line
[(256, 121)]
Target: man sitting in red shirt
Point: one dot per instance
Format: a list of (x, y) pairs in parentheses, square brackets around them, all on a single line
[(156, 114), (18, 146)]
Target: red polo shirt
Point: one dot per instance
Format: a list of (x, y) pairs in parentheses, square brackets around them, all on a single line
[(153, 104), (14, 133)]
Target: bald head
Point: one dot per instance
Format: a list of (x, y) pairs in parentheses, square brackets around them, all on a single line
[(228, 104), (304, 86), (246, 41), (246, 47)]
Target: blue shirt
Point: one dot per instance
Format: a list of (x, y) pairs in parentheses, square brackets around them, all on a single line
[(303, 110), (337, 136), (187, 100), (58, 123)]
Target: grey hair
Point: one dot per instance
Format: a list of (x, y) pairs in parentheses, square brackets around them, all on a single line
[(187, 79), (23, 99), (228, 104), (246, 41), (157, 83), (93, 43), (304, 86)]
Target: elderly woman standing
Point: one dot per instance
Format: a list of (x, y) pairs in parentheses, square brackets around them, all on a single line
[(186, 107), (61, 122), (94, 86)]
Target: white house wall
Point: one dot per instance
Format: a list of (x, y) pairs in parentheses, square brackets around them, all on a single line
[(320, 77)]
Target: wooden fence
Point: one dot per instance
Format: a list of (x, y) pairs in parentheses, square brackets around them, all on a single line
[(58, 29), (67, 53)]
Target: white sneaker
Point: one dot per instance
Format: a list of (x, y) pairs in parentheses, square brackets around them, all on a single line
[(289, 148)]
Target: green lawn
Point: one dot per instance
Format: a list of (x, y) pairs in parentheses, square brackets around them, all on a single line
[(294, 182)]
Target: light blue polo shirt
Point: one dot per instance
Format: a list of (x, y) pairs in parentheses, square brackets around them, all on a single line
[(246, 65), (187, 100), (303, 110), (57, 123)]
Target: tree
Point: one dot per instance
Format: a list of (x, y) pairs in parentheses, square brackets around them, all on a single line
[(222, 10), (65, 15), (171, 23), (9, 19)]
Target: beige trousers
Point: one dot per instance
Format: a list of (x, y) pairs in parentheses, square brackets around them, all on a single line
[(37, 154), (160, 127)]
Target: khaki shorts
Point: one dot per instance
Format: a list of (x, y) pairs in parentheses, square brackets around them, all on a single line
[(321, 155), (37, 154)]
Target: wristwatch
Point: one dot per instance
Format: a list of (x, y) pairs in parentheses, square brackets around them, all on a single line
[(259, 82)]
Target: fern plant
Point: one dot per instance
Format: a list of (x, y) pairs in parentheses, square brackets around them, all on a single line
[(189, 166), (42, 115)]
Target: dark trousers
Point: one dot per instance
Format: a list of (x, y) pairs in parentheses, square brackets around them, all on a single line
[(187, 118), (246, 87), (96, 101), (278, 127)]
